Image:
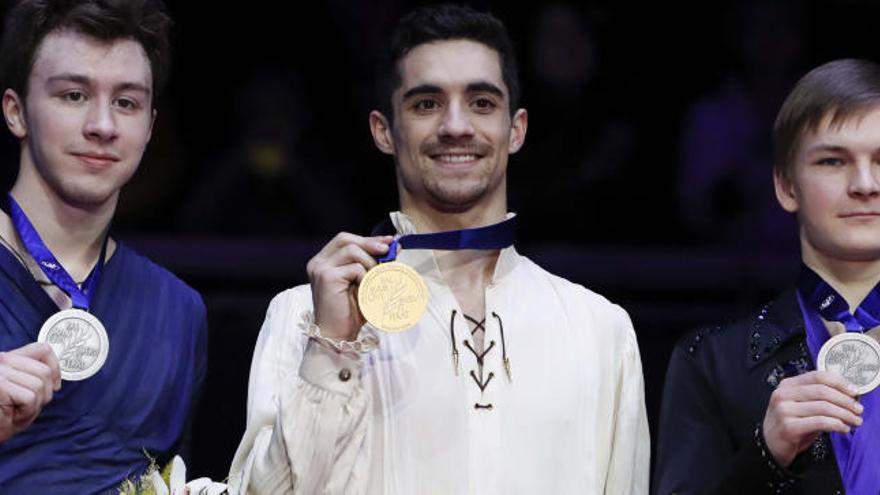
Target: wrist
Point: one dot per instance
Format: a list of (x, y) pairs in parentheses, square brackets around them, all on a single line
[(781, 477), (362, 340)]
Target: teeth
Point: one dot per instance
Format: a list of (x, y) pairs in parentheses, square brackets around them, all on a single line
[(457, 158)]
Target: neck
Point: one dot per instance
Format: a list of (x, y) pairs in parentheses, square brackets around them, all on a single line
[(469, 271), (428, 219), (852, 279), (73, 233)]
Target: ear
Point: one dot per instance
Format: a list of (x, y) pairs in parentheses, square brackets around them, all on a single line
[(518, 125), (785, 191), (13, 112), (382, 134)]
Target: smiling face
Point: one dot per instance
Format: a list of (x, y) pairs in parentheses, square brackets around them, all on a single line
[(452, 129), (834, 187), (86, 119)]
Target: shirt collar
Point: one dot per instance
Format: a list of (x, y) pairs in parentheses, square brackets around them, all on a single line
[(424, 262)]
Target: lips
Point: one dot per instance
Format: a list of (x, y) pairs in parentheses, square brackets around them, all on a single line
[(96, 159), (861, 214), (456, 154), (454, 158)]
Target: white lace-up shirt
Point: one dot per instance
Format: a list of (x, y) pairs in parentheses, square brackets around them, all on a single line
[(401, 419)]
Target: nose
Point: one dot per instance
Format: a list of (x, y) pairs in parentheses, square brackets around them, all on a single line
[(456, 122), (100, 124), (864, 181)]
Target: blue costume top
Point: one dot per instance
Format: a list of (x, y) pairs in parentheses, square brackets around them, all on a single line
[(93, 433)]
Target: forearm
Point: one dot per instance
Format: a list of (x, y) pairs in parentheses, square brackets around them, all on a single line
[(321, 425)]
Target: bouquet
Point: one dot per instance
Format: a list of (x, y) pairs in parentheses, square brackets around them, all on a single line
[(170, 481)]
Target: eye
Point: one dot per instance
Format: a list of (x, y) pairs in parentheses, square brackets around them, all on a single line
[(830, 161), (127, 103), (425, 105), (74, 96), (484, 103)]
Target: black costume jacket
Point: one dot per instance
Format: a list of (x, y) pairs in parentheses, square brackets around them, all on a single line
[(717, 390)]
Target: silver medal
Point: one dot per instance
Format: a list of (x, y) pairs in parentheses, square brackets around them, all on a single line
[(79, 340), (855, 357)]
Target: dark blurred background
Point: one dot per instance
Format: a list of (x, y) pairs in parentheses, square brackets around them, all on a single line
[(645, 175)]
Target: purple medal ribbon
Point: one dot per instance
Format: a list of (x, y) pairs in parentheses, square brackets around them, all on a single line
[(495, 236), (856, 452), (50, 265)]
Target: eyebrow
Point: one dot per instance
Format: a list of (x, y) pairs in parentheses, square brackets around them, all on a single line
[(474, 87), (422, 89), (819, 148), (81, 79), (485, 87)]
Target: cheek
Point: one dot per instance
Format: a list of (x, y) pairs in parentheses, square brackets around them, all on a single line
[(819, 191), (139, 134), (817, 201)]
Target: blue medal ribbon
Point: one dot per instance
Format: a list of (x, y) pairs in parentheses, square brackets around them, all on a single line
[(495, 236), (47, 262), (855, 452), (823, 299)]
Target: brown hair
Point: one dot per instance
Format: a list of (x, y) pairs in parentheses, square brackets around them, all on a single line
[(29, 21), (840, 89)]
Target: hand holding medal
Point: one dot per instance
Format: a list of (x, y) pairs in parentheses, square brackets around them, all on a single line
[(334, 274), (29, 376), (805, 405), (852, 354), (78, 339), (391, 295)]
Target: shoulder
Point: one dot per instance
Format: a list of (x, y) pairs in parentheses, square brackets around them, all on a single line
[(736, 347), (561, 287), (287, 316), (587, 311), (572, 294), (708, 341), (291, 302), (157, 279)]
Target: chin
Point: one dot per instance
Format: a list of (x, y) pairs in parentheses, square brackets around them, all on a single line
[(86, 197), (867, 252), (459, 201)]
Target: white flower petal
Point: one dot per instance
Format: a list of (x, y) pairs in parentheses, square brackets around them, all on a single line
[(158, 483), (198, 486), (216, 488), (177, 478)]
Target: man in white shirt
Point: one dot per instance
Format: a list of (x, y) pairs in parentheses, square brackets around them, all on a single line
[(513, 381)]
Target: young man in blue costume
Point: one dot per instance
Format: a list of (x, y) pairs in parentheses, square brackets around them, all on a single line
[(747, 407), (80, 80), (512, 381)]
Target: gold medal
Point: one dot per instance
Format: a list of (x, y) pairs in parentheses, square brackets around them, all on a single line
[(855, 357), (79, 341), (392, 297)]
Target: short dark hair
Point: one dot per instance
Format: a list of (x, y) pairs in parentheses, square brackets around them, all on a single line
[(446, 22), (840, 89), (29, 21)]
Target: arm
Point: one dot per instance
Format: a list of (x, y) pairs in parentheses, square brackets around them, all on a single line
[(199, 358), (630, 455), (696, 452), (306, 406), (305, 425)]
